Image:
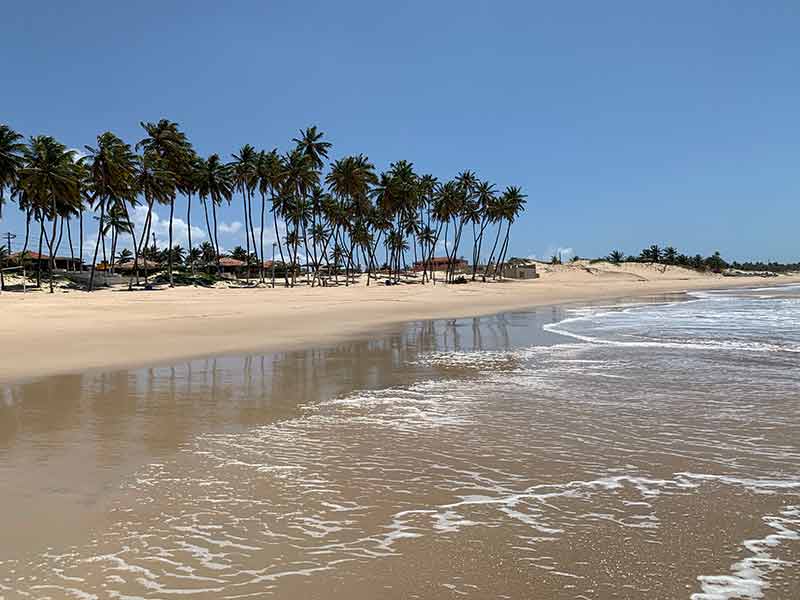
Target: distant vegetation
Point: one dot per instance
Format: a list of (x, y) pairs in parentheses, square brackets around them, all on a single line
[(715, 263)]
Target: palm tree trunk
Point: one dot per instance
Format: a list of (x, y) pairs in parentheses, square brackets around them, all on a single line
[(28, 213), (216, 237), (505, 249), (252, 229), (278, 237), (135, 251), (373, 254), (343, 252), (71, 247), (261, 239), (429, 262), (367, 251), (305, 247), (50, 244), (208, 223), (455, 250), (97, 243), (169, 248), (296, 254), (27, 234), (474, 250), (103, 238), (502, 256), (414, 244), (60, 235), (39, 258), (494, 247), (246, 229), (80, 236), (143, 243), (349, 262), (446, 247), (484, 223), (114, 236), (189, 229), (314, 245)]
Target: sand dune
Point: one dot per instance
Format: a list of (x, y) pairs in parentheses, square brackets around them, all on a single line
[(72, 331)]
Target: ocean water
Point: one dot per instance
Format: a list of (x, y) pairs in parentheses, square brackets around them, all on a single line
[(642, 449)]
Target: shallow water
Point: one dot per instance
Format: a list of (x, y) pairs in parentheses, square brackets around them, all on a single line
[(641, 450)]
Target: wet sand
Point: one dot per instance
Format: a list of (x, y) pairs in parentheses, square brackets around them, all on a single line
[(74, 331), (456, 458)]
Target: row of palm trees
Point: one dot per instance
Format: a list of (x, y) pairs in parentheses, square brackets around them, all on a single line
[(326, 219), (671, 256)]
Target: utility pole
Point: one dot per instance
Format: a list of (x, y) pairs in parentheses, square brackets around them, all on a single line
[(9, 236)]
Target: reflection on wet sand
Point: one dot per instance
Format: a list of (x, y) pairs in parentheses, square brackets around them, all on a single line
[(477, 457), (66, 442)]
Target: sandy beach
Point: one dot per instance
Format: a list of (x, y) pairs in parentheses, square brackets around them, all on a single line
[(73, 331)]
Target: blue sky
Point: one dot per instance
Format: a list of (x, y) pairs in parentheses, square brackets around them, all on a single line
[(626, 123)]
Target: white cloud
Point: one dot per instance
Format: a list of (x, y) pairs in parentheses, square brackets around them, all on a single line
[(230, 227), (160, 226), (269, 233)]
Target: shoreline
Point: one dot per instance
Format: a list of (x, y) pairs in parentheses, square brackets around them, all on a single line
[(72, 332)]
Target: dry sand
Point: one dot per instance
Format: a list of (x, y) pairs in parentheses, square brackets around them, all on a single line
[(42, 334)]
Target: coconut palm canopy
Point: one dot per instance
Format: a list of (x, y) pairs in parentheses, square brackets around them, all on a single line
[(326, 214)]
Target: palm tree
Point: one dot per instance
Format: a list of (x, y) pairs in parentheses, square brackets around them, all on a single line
[(311, 145), (112, 176), (239, 253), (208, 254), (49, 178), (651, 254), (616, 257), (350, 180), (244, 167), (463, 208), (426, 236), (448, 204), (298, 212), (11, 161), (165, 141), (715, 262), (82, 177), (188, 183), (214, 181), (299, 177), (176, 254), (125, 255), (116, 221), (156, 184), (480, 215), (194, 256), (494, 215), (271, 177), (292, 241), (268, 175), (512, 204)]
